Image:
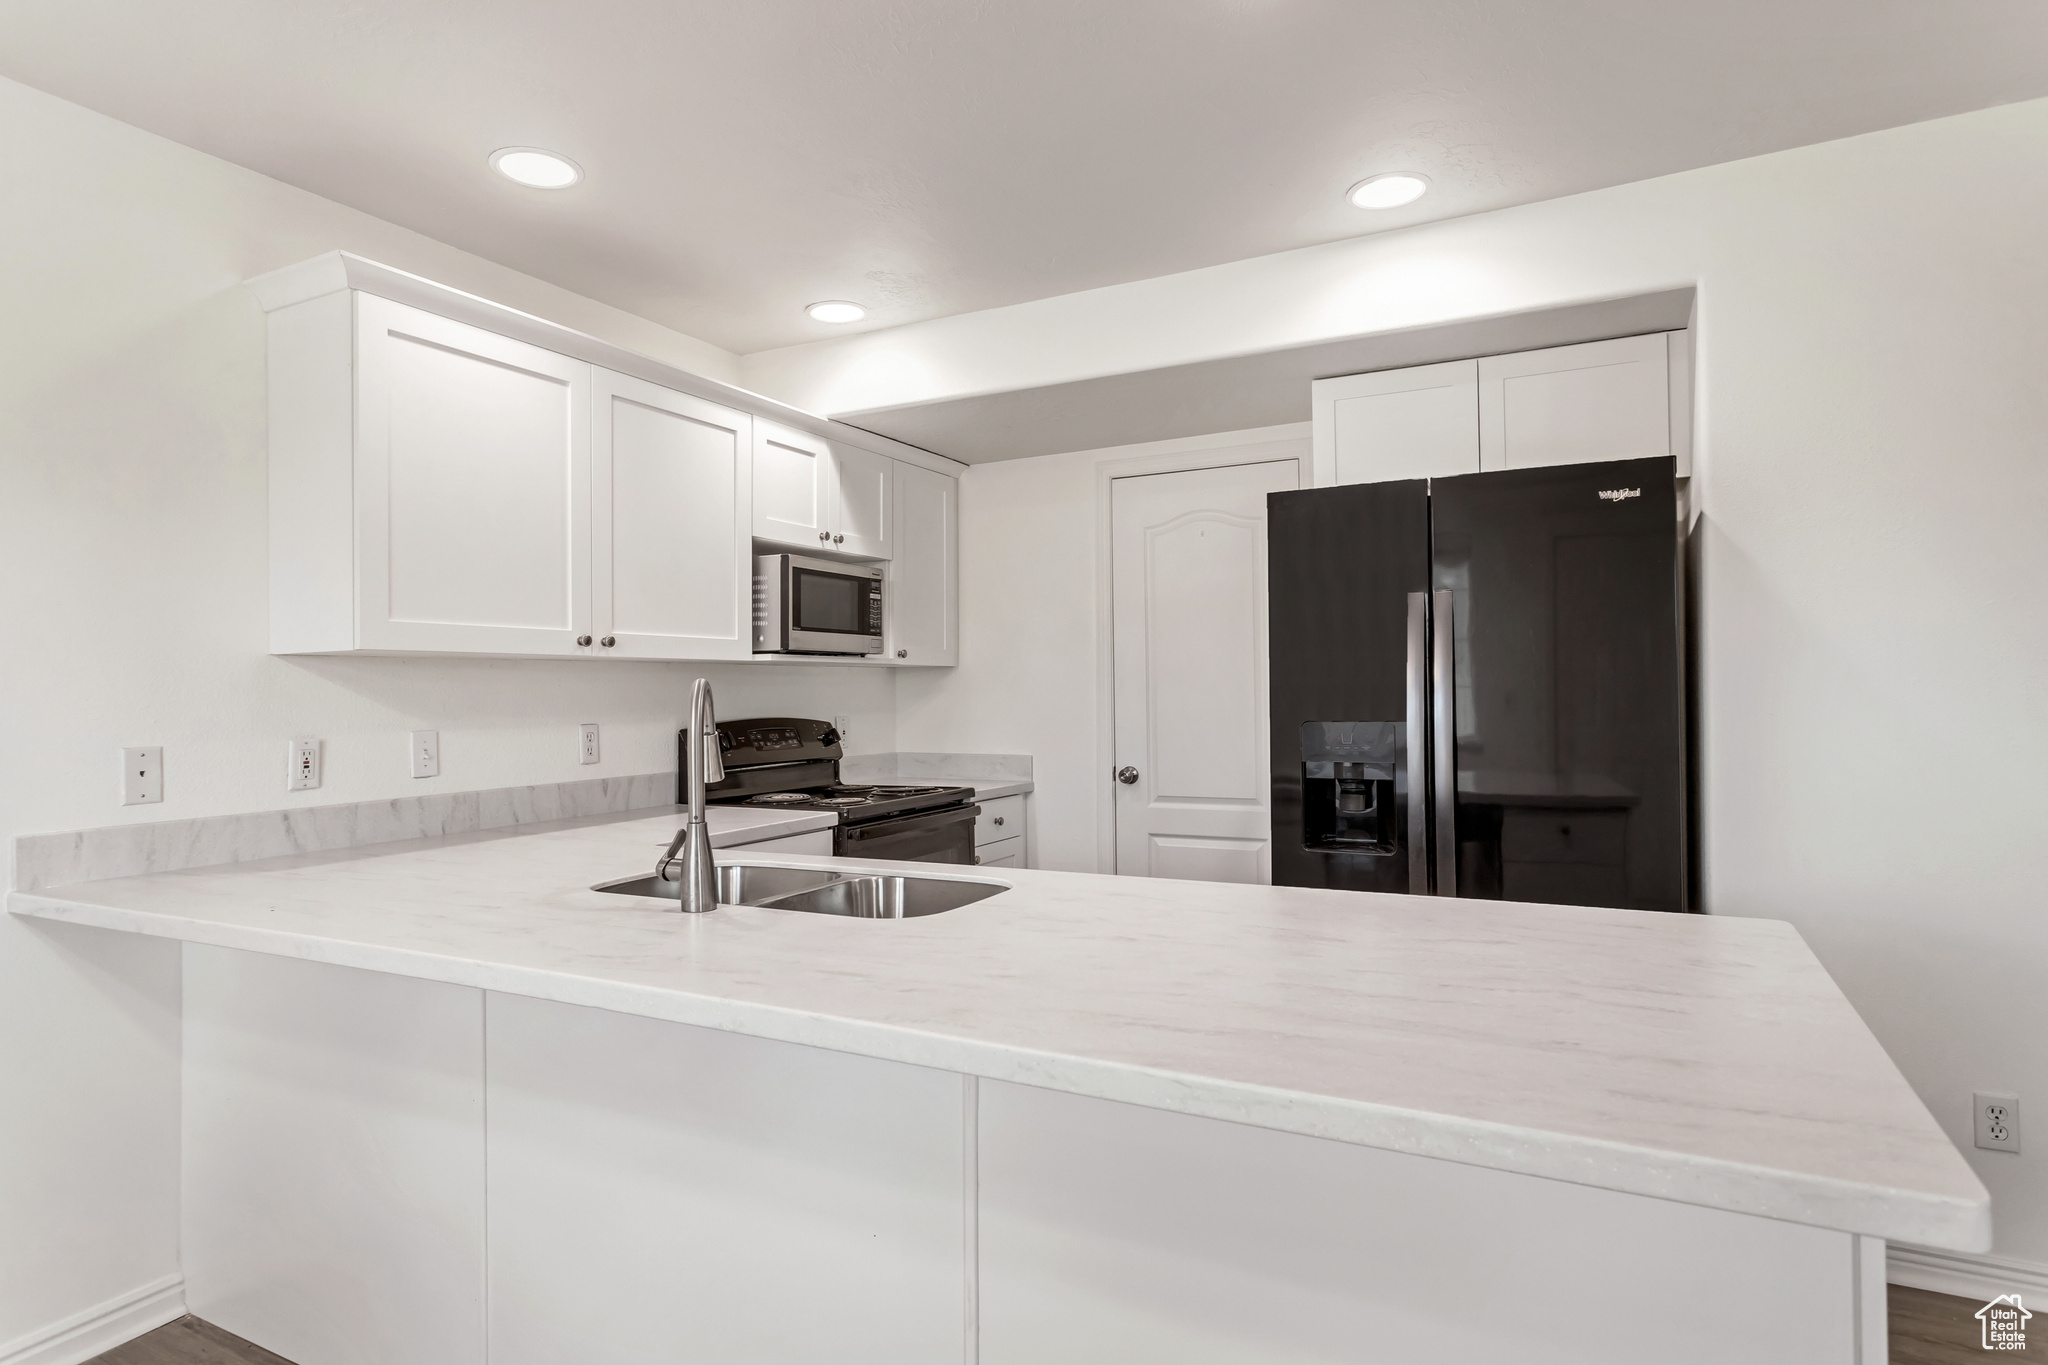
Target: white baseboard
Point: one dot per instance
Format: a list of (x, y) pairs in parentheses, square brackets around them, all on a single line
[(1982, 1278), (102, 1327)]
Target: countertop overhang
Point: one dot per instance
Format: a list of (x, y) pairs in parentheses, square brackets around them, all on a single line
[(1705, 1059)]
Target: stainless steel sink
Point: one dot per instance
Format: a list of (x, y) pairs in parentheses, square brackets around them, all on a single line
[(819, 892), (738, 884), (887, 897)]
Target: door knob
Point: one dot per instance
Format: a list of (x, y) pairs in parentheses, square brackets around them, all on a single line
[(1127, 775)]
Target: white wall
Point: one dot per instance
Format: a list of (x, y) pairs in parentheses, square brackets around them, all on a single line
[(132, 554), (1873, 472)]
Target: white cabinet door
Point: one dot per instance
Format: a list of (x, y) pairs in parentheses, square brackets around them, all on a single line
[(796, 489), (333, 1159), (1604, 400), (671, 521), (1417, 423), (924, 573), (1188, 566), (660, 1192), (1001, 853), (472, 468), (866, 524)]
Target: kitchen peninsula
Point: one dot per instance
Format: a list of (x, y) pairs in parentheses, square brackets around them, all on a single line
[(444, 1103)]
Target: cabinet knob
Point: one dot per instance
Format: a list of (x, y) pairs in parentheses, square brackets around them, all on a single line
[(824, 535), (999, 819), (608, 641), (838, 539), (902, 653), (1127, 775), (583, 640)]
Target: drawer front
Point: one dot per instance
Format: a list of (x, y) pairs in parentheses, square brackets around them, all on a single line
[(1002, 818), (1559, 836), (1001, 853)]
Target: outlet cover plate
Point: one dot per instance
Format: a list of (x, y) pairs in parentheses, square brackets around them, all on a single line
[(302, 773), (1998, 1122), (142, 775), (588, 750)]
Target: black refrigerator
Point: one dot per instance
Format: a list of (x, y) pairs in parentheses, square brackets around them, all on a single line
[(1478, 686)]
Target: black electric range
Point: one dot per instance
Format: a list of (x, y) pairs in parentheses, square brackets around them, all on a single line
[(788, 764)]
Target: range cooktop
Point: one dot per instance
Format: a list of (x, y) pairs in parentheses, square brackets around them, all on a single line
[(863, 803)]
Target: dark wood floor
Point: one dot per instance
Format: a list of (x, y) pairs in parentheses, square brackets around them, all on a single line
[(188, 1341), (1927, 1329)]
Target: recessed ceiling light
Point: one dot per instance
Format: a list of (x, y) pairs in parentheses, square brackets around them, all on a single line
[(836, 310), (535, 168), (1388, 191)]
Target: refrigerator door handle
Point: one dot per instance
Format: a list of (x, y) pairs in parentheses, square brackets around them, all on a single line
[(1418, 744), (1443, 739)]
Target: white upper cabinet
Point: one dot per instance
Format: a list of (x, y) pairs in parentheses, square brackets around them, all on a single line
[(794, 487), (923, 603), (1417, 423), (472, 466), (447, 476), (671, 520), (1604, 400), (867, 507), (813, 495)]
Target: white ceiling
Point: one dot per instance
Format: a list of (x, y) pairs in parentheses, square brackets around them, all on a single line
[(928, 157)]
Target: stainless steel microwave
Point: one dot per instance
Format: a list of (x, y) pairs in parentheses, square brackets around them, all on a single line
[(816, 606)]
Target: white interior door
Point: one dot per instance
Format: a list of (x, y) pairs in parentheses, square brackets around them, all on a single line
[(1188, 564), (671, 521)]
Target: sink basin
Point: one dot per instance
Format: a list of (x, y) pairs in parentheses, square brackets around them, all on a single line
[(886, 897), (818, 892), (738, 884)]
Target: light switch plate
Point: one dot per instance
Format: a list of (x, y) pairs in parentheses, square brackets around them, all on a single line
[(142, 775), (588, 752), (426, 753), (303, 772)]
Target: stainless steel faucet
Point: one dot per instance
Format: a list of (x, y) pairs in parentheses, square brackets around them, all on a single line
[(694, 867)]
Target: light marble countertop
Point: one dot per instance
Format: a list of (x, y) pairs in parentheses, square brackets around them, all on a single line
[(1701, 1059)]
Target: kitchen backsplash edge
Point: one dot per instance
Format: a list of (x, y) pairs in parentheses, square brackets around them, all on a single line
[(43, 860)]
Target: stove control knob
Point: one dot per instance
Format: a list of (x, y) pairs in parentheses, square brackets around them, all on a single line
[(1127, 775), (831, 736)]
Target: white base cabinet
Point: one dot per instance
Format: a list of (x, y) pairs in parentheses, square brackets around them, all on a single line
[(383, 1171)]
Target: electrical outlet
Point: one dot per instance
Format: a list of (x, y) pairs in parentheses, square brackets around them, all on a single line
[(839, 724), (142, 775), (589, 743), (304, 772), (426, 753), (1998, 1122)]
